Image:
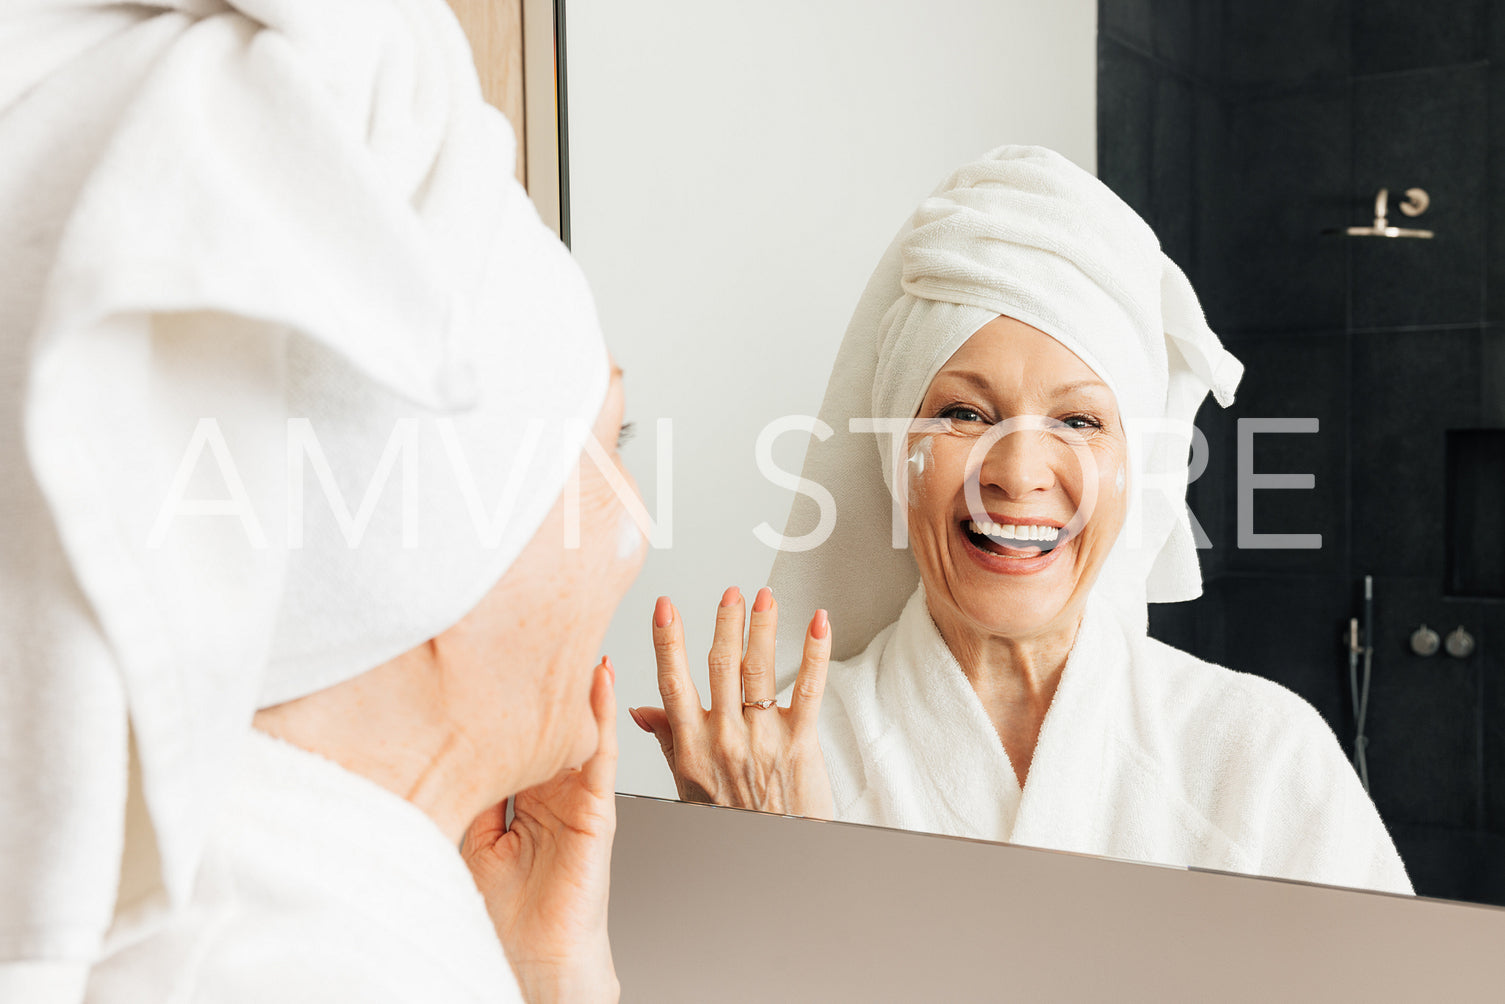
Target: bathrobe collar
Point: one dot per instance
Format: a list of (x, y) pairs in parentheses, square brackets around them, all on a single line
[(915, 669), (296, 810), (303, 845)]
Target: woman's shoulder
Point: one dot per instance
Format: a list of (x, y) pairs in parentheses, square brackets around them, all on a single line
[(1262, 765), (1222, 736), (1220, 701)]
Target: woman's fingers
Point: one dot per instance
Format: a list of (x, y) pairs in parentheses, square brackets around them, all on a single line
[(757, 667), (654, 720), (725, 660), (681, 699), (600, 771), (804, 706), (485, 830)]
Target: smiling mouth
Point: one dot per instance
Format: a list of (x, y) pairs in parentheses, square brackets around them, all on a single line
[(1014, 540)]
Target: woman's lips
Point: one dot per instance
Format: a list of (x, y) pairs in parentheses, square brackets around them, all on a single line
[(995, 553)]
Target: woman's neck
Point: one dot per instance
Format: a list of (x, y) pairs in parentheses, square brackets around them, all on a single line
[(1015, 679), (388, 725), (1031, 663)]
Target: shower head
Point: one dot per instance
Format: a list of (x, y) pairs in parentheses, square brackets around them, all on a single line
[(1384, 232), (1381, 229), (1414, 204)]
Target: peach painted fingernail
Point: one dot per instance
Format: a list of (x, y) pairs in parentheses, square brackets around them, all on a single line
[(763, 600), (611, 671), (637, 719), (663, 612), (731, 596), (821, 625)]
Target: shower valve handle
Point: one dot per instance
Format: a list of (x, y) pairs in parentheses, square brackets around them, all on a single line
[(1424, 641), (1460, 644)]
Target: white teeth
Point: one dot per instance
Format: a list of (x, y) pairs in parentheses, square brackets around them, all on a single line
[(1015, 531)]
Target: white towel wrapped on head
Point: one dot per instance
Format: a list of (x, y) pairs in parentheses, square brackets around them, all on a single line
[(1024, 233), (245, 233)]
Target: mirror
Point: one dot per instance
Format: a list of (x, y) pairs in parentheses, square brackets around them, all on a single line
[(735, 173)]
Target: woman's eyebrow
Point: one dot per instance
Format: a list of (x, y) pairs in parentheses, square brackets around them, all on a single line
[(1089, 384), (975, 379)]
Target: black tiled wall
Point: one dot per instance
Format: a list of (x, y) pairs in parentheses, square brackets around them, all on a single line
[(1422, 127), (1241, 130)]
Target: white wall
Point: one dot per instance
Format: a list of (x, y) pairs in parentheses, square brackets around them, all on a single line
[(736, 169)]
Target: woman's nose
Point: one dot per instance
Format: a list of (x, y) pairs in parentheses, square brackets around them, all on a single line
[(1020, 462)]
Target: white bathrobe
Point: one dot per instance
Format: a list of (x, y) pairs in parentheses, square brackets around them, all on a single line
[(1146, 753), (317, 887)]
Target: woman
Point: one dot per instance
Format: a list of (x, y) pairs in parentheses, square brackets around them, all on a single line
[(1045, 361), (307, 571)]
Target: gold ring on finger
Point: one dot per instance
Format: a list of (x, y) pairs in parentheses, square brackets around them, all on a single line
[(763, 705)]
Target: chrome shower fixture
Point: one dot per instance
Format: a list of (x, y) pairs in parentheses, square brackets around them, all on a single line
[(1414, 204), (1460, 644), (1425, 642)]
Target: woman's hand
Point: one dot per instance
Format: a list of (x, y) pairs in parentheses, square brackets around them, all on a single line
[(544, 877), (749, 757)]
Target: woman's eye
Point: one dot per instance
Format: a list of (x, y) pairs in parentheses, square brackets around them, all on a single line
[(625, 434), (961, 413), (1082, 422)]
